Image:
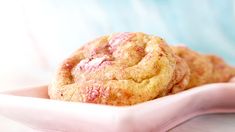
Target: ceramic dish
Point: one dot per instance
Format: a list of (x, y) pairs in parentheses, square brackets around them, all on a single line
[(33, 108)]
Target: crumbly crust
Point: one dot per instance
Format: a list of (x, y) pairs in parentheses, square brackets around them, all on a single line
[(130, 68), (119, 69), (204, 68)]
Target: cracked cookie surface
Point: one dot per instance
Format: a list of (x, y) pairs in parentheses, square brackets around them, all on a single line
[(117, 69), (204, 69)]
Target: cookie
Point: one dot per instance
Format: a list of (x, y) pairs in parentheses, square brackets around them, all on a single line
[(118, 69), (181, 76), (204, 69), (200, 66), (221, 72)]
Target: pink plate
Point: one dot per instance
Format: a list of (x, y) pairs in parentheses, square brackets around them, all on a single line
[(33, 108)]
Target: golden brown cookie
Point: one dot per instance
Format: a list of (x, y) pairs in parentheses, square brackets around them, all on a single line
[(119, 69), (204, 68), (200, 66), (222, 72), (181, 76)]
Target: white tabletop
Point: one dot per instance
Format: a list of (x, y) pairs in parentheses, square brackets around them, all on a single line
[(208, 123)]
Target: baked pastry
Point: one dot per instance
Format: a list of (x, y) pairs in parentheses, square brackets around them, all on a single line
[(204, 68), (119, 69), (181, 76), (221, 71), (200, 66), (130, 68)]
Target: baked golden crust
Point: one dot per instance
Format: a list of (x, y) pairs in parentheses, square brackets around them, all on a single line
[(204, 68), (222, 72), (130, 68), (200, 66), (120, 69), (181, 76)]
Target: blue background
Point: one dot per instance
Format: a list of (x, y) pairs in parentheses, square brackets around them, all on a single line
[(207, 26)]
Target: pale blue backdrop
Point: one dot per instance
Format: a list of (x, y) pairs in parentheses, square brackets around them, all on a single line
[(204, 25)]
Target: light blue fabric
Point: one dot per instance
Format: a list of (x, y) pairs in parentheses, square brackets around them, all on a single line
[(205, 25)]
